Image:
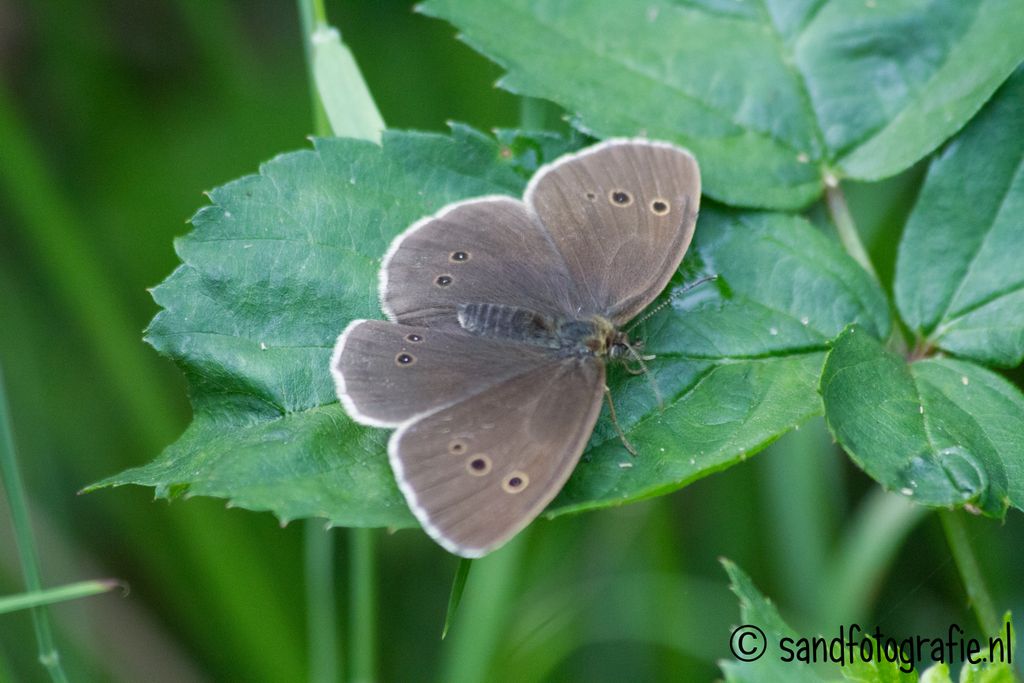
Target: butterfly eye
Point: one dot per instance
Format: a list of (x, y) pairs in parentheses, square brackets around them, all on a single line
[(478, 465), (458, 256), (405, 359), (620, 198), (414, 338), (660, 207), (515, 482), (443, 280)]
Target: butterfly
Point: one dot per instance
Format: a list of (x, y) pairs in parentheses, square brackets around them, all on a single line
[(501, 316)]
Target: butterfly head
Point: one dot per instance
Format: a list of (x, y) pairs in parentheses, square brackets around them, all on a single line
[(609, 342)]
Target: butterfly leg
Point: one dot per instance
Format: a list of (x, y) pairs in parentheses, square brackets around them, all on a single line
[(615, 421)]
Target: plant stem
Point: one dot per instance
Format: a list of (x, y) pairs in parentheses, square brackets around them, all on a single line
[(869, 543), (319, 11), (484, 614), (321, 612), (363, 605), (794, 479), (343, 106), (311, 15), (845, 226), (49, 656), (970, 573), (321, 615), (340, 88)]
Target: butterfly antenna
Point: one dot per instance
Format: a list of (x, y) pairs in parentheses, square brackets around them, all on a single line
[(648, 314), (686, 288)]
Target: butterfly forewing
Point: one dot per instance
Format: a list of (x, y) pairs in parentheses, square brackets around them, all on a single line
[(622, 214), (488, 250), (477, 472)]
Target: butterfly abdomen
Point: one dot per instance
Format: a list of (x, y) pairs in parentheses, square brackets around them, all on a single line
[(500, 321), (586, 337)]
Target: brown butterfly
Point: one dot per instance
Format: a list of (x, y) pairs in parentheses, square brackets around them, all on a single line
[(501, 316)]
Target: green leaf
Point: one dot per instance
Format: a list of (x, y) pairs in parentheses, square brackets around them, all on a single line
[(50, 596), (272, 272), (959, 281), (758, 611), (936, 673), (778, 663), (861, 89), (997, 669), (280, 263), (942, 431), (886, 670), (455, 597)]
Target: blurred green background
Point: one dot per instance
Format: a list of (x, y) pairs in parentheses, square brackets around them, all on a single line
[(114, 118)]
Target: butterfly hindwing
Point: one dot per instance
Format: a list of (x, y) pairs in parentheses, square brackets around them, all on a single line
[(478, 471)]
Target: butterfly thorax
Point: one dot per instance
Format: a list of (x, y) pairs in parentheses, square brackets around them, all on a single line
[(580, 337)]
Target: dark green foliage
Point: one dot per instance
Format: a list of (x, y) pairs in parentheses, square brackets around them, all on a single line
[(113, 119), (281, 261), (771, 96)]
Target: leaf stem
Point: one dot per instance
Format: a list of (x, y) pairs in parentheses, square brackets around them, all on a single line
[(970, 571), (845, 225), (49, 656), (363, 605), (311, 15), (321, 615)]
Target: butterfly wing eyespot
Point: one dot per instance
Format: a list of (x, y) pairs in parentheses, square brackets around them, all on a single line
[(478, 465), (515, 482), (620, 197)]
